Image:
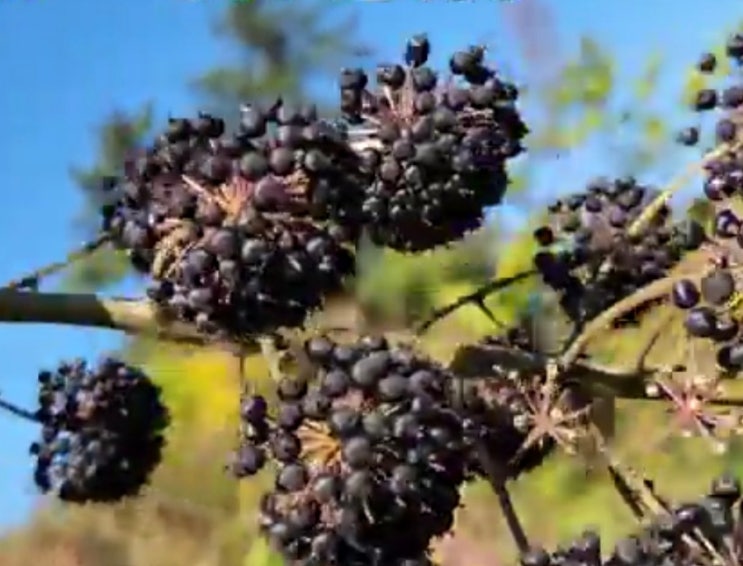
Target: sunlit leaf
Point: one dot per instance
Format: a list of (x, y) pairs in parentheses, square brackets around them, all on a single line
[(694, 82)]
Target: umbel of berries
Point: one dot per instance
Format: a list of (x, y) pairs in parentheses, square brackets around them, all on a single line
[(435, 152), (370, 456), (588, 255), (707, 531), (102, 431), (241, 233), (708, 315)]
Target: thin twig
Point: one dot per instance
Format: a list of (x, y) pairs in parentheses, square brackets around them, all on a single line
[(133, 316), (635, 491), (676, 184), (141, 317), (32, 280), (477, 362), (625, 492), (654, 291), (476, 297), (652, 341), (496, 476), (18, 411)]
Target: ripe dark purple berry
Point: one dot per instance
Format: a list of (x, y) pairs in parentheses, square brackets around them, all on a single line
[(357, 452), (718, 287), (249, 460), (725, 131), (707, 63), (417, 50), (732, 97), (700, 322), (730, 357), (706, 99), (726, 329), (544, 236), (727, 224), (319, 349), (726, 487), (254, 409), (292, 477), (685, 294), (688, 136)]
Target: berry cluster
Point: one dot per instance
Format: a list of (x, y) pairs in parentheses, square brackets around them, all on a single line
[(523, 415), (724, 173), (370, 456), (440, 149), (590, 258), (102, 431), (247, 232), (236, 229), (373, 443), (695, 534), (707, 316), (711, 302)]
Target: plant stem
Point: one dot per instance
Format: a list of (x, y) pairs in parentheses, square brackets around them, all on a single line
[(676, 184), (140, 317), (656, 290), (476, 297), (127, 315), (497, 478), (18, 411), (31, 280)]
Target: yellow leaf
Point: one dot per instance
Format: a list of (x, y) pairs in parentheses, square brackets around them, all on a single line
[(695, 81), (723, 68)]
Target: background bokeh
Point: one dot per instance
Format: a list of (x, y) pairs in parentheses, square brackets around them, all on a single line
[(604, 89)]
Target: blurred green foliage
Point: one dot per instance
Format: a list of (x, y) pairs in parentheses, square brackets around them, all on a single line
[(282, 46)]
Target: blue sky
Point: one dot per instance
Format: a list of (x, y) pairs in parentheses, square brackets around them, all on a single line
[(66, 64)]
